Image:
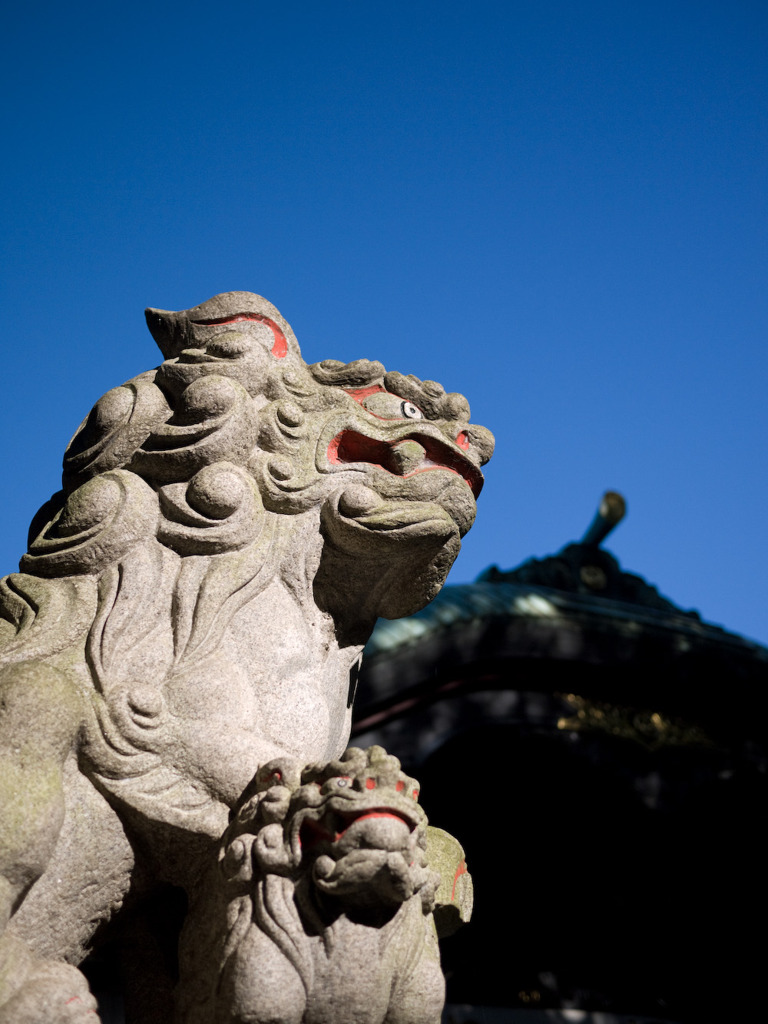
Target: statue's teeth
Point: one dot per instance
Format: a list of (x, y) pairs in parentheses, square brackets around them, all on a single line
[(405, 457)]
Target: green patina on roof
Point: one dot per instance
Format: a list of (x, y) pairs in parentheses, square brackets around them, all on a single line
[(471, 602), (583, 582)]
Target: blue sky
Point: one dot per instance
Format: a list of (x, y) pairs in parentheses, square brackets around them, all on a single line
[(556, 208)]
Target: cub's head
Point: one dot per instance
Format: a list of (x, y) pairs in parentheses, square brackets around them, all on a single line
[(352, 827)]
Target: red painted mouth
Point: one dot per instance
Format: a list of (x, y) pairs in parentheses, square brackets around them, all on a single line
[(351, 817), (313, 831), (396, 458)]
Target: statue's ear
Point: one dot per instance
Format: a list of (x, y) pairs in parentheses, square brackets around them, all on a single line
[(175, 331), (168, 329)]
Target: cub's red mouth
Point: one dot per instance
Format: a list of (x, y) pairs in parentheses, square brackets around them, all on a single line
[(416, 453), (348, 817), (313, 831)]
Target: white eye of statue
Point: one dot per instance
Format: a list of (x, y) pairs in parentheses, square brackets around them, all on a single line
[(411, 411), (391, 407)]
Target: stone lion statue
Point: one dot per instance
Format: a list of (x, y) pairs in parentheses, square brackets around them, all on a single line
[(320, 906), (194, 603)]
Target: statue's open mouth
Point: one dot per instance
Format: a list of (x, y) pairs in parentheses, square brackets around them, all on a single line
[(349, 817), (314, 831), (416, 453)]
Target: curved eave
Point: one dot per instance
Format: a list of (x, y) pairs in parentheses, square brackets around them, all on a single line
[(478, 601), (521, 636)]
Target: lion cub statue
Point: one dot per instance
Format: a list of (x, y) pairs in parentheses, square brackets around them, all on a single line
[(193, 604), (320, 906)]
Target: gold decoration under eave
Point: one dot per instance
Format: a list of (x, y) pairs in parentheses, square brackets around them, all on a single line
[(650, 729)]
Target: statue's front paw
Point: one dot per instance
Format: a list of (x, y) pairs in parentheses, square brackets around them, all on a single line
[(52, 994)]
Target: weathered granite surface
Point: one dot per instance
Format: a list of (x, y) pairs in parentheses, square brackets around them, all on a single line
[(193, 605)]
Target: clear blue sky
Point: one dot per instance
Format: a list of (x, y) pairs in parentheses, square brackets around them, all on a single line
[(557, 208)]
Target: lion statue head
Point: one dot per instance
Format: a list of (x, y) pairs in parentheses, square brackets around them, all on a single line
[(234, 424)]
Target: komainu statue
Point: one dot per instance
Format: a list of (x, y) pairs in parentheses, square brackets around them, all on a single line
[(192, 606)]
